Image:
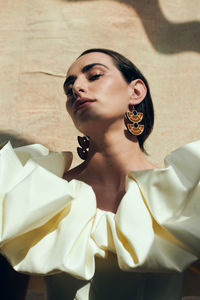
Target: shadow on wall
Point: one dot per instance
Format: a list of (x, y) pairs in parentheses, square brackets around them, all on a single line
[(14, 138), (166, 37)]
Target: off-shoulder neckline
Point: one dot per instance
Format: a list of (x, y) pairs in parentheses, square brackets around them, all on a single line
[(129, 176)]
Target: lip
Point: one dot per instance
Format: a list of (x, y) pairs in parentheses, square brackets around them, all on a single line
[(82, 102)]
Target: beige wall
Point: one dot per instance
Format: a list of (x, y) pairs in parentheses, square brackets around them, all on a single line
[(41, 38)]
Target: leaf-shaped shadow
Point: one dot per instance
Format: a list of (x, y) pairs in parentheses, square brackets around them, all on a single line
[(166, 37)]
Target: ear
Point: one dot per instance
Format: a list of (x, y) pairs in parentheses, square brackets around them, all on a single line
[(138, 91)]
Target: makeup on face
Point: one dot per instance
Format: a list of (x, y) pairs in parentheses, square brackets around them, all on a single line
[(70, 80)]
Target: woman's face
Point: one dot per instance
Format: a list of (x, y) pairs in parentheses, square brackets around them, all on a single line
[(96, 90)]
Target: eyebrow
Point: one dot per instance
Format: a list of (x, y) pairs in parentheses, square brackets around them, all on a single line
[(86, 68)]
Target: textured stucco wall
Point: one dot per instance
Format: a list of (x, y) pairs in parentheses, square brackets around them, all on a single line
[(41, 38)]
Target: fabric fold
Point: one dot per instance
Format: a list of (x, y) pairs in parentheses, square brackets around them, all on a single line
[(50, 225)]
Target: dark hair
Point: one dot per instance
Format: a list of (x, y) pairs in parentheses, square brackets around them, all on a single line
[(130, 72)]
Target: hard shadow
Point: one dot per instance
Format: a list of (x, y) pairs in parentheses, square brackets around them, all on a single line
[(13, 285), (15, 139), (166, 37)]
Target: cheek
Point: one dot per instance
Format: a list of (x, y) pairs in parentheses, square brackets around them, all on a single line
[(113, 98), (115, 87), (115, 94)]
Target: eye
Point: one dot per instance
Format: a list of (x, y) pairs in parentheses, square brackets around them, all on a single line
[(95, 76)]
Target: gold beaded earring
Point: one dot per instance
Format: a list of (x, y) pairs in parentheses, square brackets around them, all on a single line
[(135, 117)]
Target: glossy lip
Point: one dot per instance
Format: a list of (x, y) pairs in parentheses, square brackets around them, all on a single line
[(82, 102)]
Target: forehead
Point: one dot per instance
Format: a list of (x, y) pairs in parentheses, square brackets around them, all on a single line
[(91, 58)]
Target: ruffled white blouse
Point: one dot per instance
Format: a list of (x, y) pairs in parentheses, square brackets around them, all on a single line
[(51, 226)]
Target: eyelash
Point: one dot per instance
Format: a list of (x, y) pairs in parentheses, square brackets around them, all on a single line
[(95, 77), (91, 78)]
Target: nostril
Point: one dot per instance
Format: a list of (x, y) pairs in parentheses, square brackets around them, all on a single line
[(77, 92)]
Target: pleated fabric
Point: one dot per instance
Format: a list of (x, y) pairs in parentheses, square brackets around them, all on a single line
[(50, 225)]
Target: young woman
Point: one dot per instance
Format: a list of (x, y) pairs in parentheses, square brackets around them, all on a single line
[(116, 226)]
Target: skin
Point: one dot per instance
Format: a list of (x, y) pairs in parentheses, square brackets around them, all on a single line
[(113, 151)]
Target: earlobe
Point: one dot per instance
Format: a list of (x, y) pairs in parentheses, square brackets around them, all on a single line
[(138, 91)]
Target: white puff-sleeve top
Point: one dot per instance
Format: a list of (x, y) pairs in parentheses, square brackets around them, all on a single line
[(53, 227)]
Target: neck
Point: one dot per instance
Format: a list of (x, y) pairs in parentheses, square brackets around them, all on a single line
[(111, 157)]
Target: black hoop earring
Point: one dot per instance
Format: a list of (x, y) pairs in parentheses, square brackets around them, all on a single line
[(84, 142)]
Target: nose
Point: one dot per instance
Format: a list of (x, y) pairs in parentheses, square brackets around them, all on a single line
[(79, 87)]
